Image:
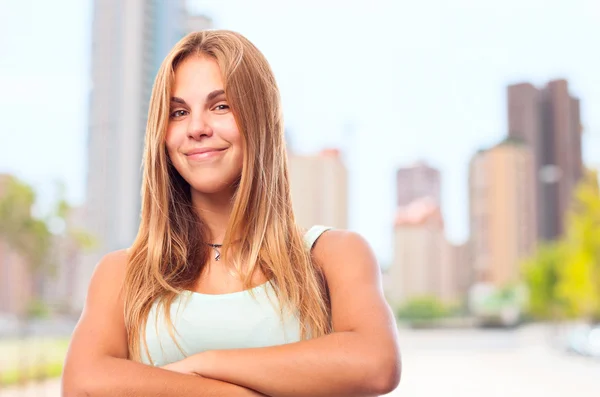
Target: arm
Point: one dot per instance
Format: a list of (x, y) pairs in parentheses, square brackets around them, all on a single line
[(96, 363), (360, 358)]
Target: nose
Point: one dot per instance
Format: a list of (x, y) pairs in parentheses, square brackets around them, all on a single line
[(199, 126)]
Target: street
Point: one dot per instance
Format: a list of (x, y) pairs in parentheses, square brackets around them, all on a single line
[(470, 363), (490, 363)]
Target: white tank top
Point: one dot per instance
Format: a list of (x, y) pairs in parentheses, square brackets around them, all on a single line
[(224, 321)]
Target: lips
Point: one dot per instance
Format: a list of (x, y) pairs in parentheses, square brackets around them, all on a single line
[(204, 153)]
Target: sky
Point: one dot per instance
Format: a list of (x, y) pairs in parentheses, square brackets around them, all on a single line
[(388, 82)]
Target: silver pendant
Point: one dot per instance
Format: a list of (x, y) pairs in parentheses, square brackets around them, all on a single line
[(216, 248)]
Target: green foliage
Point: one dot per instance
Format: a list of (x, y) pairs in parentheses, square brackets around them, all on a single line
[(422, 309), (579, 278), (37, 309), (507, 296), (31, 237), (23, 360), (23, 232), (563, 277), (541, 274), (33, 373)]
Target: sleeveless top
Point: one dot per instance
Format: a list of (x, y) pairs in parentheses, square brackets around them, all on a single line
[(202, 322)]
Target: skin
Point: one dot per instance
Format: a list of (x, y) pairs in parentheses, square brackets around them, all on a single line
[(360, 358), (201, 119), (96, 364)]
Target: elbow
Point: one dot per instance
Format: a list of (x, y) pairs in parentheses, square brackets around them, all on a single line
[(79, 389), (74, 389), (386, 375), (74, 385)]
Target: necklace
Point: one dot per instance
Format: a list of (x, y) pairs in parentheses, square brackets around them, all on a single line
[(216, 248)]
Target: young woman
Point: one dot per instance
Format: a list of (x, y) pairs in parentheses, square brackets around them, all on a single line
[(221, 294)]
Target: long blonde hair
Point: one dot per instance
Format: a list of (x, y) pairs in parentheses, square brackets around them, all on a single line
[(168, 254)]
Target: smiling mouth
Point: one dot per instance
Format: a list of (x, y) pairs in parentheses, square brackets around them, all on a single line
[(205, 154)]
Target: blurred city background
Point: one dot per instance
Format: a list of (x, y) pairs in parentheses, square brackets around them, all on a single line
[(460, 137)]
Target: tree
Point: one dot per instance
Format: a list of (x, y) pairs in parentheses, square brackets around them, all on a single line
[(36, 240), (24, 234), (563, 277), (422, 309), (541, 273), (579, 278), (19, 229), (71, 238)]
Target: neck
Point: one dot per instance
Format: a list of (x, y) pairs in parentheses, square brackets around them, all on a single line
[(215, 211)]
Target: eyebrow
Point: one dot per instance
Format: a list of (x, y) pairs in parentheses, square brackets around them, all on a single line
[(209, 97)]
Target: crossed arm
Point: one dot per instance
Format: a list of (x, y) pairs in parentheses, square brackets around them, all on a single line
[(97, 364), (360, 358)]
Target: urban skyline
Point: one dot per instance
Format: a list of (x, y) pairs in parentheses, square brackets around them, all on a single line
[(450, 135), (467, 111), (520, 191)]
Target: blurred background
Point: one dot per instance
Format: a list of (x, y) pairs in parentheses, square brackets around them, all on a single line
[(460, 137)]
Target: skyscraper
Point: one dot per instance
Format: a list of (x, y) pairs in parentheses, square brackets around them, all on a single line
[(129, 41), (417, 181), (502, 211), (548, 120), (419, 249), (319, 186)]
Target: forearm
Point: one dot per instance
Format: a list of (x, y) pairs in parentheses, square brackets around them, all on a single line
[(109, 376), (339, 364)]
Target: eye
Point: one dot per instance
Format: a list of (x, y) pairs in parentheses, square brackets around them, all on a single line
[(178, 113), (222, 106)]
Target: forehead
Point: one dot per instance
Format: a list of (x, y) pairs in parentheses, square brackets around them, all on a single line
[(197, 75)]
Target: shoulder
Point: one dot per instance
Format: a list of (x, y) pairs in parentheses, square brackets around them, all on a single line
[(111, 267), (339, 241), (343, 251), (115, 261)]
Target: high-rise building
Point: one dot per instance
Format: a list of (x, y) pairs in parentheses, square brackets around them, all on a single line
[(417, 181), (129, 41), (502, 211), (456, 272), (319, 186), (425, 263), (196, 22), (419, 249), (59, 290), (548, 120)]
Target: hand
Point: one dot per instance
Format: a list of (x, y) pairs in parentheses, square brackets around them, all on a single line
[(192, 366), (199, 364), (183, 367)]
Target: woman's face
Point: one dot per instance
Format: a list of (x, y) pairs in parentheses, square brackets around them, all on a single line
[(203, 140)]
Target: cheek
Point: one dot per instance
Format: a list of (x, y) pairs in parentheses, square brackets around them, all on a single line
[(236, 141), (172, 140), (171, 144), (229, 131)]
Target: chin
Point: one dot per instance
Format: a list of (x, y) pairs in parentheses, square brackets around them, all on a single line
[(214, 186)]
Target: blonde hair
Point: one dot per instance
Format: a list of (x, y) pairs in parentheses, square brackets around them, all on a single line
[(168, 254)]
